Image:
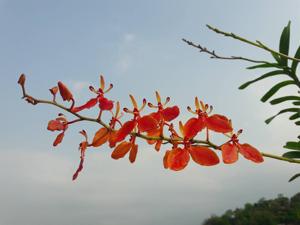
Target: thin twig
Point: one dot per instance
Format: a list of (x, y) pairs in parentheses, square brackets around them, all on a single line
[(215, 56), (36, 101)]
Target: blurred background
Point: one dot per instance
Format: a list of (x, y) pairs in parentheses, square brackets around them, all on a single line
[(137, 46)]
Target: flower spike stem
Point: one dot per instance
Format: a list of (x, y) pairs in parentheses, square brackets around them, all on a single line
[(151, 128)]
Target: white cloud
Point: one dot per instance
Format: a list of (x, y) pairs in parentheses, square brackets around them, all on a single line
[(127, 53), (80, 90), (78, 87), (37, 186), (124, 63), (129, 37)]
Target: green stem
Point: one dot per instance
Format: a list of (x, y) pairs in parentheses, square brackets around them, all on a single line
[(280, 158), (258, 44)]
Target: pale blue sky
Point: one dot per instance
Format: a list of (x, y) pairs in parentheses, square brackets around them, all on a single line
[(137, 46)]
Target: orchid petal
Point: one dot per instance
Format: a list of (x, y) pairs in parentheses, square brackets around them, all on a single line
[(105, 104), (203, 155), (170, 113), (218, 123), (192, 127), (89, 104), (251, 153), (229, 153), (121, 150), (101, 136), (178, 159), (147, 123)]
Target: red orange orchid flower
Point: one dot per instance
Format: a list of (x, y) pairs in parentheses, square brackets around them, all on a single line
[(231, 149), (142, 123), (104, 103), (162, 116), (217, 123), (124, 147), (178, 158), (59, 124), (105, 134)]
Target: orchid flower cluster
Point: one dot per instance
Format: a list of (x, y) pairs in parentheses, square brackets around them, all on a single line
[(156, 128)]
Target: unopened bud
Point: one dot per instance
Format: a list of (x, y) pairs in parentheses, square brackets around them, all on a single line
[(22, 79)]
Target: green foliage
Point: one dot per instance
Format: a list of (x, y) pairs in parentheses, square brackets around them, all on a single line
[(293, 145), (288, 67), (295, 63), (281, 112), (284, 44), (266, 75), (276, 88), (283, 99), (292, 154), (265, 212)]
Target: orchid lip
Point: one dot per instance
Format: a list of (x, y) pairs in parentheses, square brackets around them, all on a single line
[(100, 91)]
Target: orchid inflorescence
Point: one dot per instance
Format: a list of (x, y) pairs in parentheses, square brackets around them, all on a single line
[(156, 128)]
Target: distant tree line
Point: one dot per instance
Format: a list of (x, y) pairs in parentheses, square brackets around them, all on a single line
[(279, 211)]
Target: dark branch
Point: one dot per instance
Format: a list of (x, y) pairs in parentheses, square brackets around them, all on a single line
[(213, 54)]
